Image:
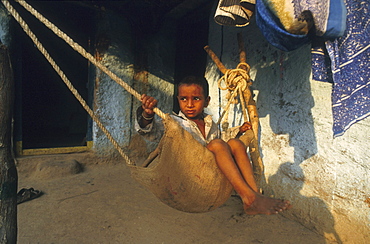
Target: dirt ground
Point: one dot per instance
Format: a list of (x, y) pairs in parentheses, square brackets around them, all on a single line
[(103, 204)]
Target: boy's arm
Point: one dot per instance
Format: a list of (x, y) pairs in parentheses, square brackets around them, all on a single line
[(153, 131), (143, 118), (145, 115), (246, 126), (143, 122)]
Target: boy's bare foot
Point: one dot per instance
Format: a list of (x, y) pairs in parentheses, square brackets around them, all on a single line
[(266, 205)]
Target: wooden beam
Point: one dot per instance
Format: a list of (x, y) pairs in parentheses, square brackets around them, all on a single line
[(8, 171)]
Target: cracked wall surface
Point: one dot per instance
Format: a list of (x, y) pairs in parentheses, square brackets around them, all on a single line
[(326, 178)]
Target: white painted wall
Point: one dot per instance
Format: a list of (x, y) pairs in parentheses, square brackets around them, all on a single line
[(110, 99), (326, 179), (114, 105)]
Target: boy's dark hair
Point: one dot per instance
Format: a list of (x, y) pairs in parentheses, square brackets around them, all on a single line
[(200, 81)]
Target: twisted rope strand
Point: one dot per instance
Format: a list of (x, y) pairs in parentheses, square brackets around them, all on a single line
[(236, 81), (41, 48), (232, 96), (84, 53)]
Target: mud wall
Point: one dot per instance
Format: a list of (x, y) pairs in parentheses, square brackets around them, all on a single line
[(326, 178), (139, 60), (4, 26)]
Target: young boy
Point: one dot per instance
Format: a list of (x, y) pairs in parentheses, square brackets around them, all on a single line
[(231, 157)]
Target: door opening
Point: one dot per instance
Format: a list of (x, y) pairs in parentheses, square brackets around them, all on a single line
[(192, 36), (49, 116)]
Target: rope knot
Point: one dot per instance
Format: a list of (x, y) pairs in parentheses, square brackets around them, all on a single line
[(234, 79)]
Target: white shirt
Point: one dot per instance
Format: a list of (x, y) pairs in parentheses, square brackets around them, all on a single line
[(155, 130)]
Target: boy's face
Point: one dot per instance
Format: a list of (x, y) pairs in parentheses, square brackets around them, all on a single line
[(192, 101)]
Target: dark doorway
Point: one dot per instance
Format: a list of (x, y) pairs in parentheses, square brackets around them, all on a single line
[(192, 36), (49, 115)]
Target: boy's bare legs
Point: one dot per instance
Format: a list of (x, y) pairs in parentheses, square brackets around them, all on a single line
[(242, 179), (241, 158)]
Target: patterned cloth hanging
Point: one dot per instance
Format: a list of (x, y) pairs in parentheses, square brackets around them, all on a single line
[(298, 16), (288, 24), (343, 60), (350, 67)]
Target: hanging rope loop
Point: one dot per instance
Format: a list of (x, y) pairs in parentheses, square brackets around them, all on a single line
[(235, 79)]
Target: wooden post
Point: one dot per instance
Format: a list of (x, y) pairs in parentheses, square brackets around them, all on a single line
[(215, 59), (258, 166), (8, 171)]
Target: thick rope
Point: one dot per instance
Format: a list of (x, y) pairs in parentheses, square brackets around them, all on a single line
[(232, 97), (236, 81), (25, 27), (234, 77), (84, 53)]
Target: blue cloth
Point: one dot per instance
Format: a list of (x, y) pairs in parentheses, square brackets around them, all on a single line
[(336, 23), (321, 64), (274, 32), (350, 56), (350, 67), (329, 18)]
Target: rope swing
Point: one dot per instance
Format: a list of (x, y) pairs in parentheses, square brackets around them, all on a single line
[(85, 54), (190, 182)]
